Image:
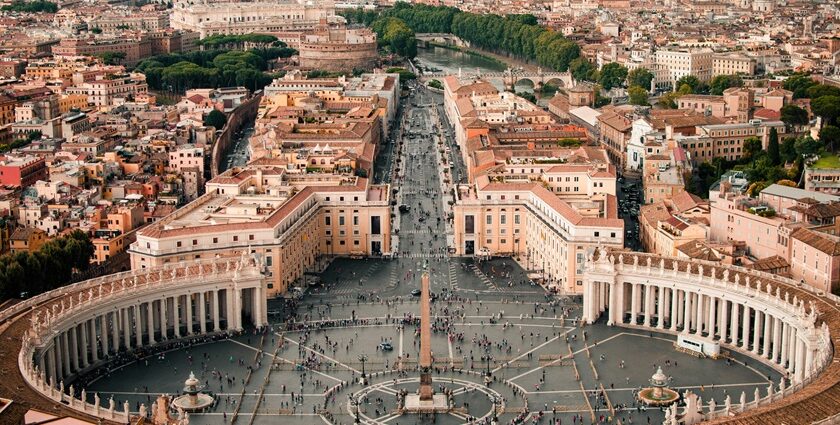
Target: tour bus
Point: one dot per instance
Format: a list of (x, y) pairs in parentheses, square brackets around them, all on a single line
[(699, 345)]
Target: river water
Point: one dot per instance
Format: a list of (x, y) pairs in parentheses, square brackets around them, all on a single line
[(449, 61)]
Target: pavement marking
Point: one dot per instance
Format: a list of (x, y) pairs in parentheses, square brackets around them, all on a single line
[(317, 353), (560, 359), (527, 352), (686, 387)]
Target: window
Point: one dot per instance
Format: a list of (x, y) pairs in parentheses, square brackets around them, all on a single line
[(250, 237), (469, 224), (215, 240), (341, 220), (489, 219), (516, 219), (178, 244), (503, 219), (236, 238), (327, 220), (355, 220), (195, 242), (597, 234), (375, 225)]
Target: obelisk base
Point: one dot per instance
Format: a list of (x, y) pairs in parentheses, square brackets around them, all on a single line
[(414, 404)]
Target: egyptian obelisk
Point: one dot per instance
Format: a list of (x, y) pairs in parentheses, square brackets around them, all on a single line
[(425, 340)]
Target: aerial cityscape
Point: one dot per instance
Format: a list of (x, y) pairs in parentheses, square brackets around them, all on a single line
[(391, 212)]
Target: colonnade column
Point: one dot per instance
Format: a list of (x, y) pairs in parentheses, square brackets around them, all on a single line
[(202, 313), (687, 316), (103, 334), (94, 343), (674, 309), (176, 314), (712, 316), (791, 347), (64, 356), (163, 326), (756, 341), (745, 331), (188, 309), (138, 325), (150, 321), (84, 345), (765, 345), (724, 319), (785, 344), (115, 330), (700, 314), (734, 325), (648, 304), (680, 308), (52, 357), (777, 338), (215, 306), (660, 308), (126, 327), (634, 303), (74, 350)]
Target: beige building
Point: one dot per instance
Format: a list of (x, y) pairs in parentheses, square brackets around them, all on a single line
[(678, 63), (551, 237), (336, 48), (732, 64), (289, 222), (262, 16)]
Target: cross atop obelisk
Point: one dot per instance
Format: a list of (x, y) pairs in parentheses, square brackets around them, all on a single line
[(426, 392)]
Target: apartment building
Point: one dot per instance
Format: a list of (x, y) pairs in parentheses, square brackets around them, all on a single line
[(732, 64), (289, 222), (552, 237), (678, 63)]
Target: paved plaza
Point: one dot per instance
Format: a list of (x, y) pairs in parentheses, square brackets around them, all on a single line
[(487, 315), (535, 350)]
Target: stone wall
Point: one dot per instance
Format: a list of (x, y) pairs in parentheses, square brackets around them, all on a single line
[(338, 56)]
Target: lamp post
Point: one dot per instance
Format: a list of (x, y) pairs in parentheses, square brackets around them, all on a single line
[(363, 358)]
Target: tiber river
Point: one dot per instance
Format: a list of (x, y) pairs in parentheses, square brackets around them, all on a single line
[(449, 61)]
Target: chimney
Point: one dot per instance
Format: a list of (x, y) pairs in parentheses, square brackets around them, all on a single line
[(669, 132)]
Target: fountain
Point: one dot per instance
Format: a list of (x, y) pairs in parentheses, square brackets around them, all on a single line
[(193, 399), (658, 394)]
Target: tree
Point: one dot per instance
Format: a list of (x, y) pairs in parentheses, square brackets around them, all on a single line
[(723, 82), (806, 146), (773, 147), (583, 70), (692, 82), (396, 35), (31, 6), (828, 107), (111, 58), (793, 115), (215, 119), (820, 90), (641, 77), (638, 96), (829, 135), (788, 149), (799, 85), (669, 100), (612, 75), (436, 84), (752, 146), (96, 30)]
